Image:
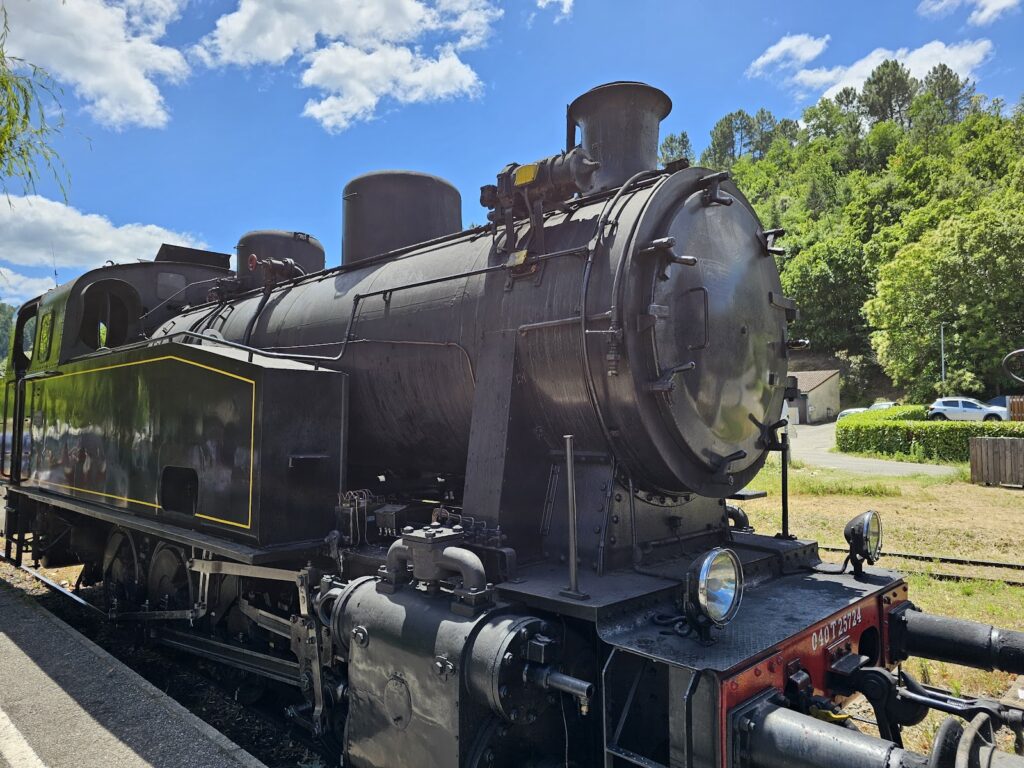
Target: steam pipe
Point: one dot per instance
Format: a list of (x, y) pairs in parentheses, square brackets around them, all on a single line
[(969, 643), (452, 559), (467, 564), (737, 517), (397, 561)]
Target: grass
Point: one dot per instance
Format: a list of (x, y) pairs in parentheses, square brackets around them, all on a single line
[(809, 481), (935, 515), (921, 514), (961, 466)]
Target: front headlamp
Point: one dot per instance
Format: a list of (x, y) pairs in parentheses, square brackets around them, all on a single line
[(716, 586), (864, 537)]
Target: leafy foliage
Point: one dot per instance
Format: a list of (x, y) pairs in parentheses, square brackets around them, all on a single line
[(942, 440), (28, 96), (896, 413), (903, 205), (6, 329), (676, 146)]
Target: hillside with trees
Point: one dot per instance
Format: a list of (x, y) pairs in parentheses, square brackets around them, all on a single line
[(903, 205)]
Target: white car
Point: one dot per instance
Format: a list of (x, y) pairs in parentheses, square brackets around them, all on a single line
[(881, 406), (965, 409)]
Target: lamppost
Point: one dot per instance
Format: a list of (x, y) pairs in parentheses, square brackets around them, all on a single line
[(942, 349)]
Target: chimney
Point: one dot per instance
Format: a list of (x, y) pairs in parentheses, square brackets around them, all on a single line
[(619, 122)]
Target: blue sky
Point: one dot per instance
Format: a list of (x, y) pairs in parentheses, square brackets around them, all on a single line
[(196, 120)]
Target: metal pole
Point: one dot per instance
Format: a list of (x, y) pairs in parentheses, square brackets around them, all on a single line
[(785, 484), (942, 348), (573, 590)]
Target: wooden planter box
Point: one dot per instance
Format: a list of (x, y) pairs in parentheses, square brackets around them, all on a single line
[(998, 461)]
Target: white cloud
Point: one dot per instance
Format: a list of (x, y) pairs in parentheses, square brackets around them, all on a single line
[(983, 11), (963, 58), (39, 233), (16, 288), (789, 52), (356, 80), (564, 7), (358, 52), (107, 51)]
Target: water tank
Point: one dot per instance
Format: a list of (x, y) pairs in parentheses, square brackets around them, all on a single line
[(305, 250), (620, 123), (387, 210)]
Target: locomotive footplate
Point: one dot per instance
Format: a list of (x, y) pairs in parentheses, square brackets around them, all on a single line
[(773, 614)]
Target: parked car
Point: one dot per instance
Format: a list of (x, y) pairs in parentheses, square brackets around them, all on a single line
[(965, 409), (880, 406)]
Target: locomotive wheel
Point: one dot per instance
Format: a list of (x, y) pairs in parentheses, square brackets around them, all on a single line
[(122, 572), (169, 586)]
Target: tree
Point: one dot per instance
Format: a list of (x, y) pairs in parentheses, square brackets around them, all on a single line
[(888, 93), (928, 117), (830, 284), (6, 326), (27, 95), (730, 138), (762, 132), (743, 130), (787, 129), (948, 87), (721, 151), (676, 146), (848, 100), (965, 273)]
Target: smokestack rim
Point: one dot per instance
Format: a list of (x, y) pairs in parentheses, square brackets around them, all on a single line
[(599, 92)]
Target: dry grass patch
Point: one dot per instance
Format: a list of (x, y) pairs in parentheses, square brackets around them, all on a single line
[(922, 514)]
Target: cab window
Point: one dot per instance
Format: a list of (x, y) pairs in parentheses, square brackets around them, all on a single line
[(24, 338), (45, 338), (110, 311)]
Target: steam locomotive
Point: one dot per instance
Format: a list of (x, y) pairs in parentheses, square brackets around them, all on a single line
[(472, 492)]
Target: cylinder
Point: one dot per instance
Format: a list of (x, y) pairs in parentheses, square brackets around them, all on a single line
[(388, 210), (782, 738), (305, 250), (962, 642), (620, 124)]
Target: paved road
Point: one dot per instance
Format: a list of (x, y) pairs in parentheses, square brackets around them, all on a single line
[(812, 444), (65, 703)]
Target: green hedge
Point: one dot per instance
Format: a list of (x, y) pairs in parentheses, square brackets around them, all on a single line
[(896, 413), (910, 434)]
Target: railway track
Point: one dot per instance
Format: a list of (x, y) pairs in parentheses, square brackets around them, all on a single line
[(946, 576), (230, 703)]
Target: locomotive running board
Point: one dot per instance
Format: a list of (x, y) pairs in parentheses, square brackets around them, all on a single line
[(214, 544)]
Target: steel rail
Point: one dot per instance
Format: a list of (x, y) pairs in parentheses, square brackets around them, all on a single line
[(940, 559)]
